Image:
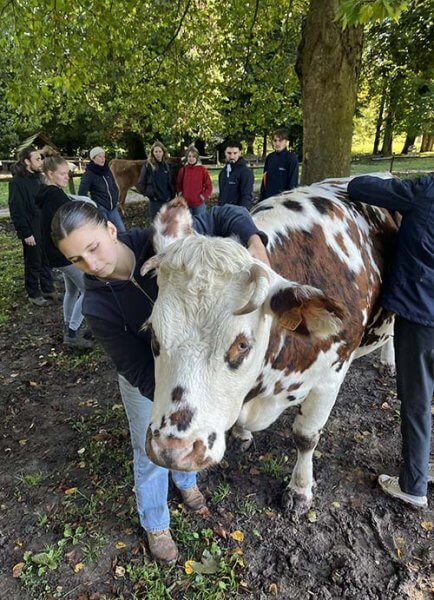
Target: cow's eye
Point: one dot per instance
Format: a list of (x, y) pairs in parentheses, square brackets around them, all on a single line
[(243, 346), (237, 352)]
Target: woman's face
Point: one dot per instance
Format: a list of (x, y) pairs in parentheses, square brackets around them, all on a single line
[(59, 177), (99, 159), (92, 249), (158, 153), (191, 158)]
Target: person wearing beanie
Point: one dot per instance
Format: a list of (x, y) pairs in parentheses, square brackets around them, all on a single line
[(100, 183), (194, 183)]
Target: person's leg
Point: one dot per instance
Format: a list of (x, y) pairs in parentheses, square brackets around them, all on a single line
[(68, 297), (196, 211), (46, 276), (32, 266), (414, 348), (150, 481), (76, 288)]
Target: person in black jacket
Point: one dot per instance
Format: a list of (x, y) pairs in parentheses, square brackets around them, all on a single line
[(118, 300), (235, 179), (99, 181), (280, 168), (156, 180), (409, 293), (48, 199), (38, 279)]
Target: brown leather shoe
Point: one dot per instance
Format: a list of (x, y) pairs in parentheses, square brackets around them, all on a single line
[(162, 547), (195, 500)]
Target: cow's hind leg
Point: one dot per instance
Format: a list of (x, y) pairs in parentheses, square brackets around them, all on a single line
[(312, 417)]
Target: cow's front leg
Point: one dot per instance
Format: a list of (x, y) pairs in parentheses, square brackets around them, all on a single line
[(387, 357), (312, 417)]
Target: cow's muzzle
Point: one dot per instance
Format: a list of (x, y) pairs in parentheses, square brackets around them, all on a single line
[(180, 454)]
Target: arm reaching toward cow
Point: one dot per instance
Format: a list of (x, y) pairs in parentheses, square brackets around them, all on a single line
[(393, 194)]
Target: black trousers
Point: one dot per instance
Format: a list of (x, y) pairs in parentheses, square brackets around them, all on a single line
[(414, 353), (38, 278)]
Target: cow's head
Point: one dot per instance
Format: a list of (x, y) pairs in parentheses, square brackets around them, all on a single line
[(210, 329)]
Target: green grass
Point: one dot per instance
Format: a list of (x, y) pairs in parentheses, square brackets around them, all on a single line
[(11, 274)]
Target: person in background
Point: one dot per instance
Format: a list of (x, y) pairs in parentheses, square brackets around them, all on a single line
[(48, 199), (25, 184), (156, 179), (100, 183), (117, 301), (194, 183), (280, 168), (409, 293), (236, 178)]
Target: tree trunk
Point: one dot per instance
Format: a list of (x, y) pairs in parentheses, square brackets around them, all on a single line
[(250, 138), (328, 66), (380, 119), (427, 142), (394, 97), (409, 141)]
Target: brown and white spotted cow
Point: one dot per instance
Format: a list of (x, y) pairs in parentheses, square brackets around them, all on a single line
[(237, 343)]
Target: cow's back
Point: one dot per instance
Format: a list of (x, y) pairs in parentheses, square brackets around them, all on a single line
[(317, 237)]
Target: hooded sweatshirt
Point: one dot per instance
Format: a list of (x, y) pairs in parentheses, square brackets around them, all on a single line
[(236, 184), (100, 183), (48, 200), (116, 310), (22, 193)]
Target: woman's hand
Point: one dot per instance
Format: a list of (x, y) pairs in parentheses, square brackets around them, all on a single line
[(257, 249)]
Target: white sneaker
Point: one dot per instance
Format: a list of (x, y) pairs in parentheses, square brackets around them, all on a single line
[(390, 485)]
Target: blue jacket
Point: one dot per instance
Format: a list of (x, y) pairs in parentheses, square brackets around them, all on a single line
[(280, 173), (409, 288), (238, 187), (101, 185), (116, 310)]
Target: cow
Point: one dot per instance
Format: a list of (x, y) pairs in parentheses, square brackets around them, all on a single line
[(237, 342), (126, 174)]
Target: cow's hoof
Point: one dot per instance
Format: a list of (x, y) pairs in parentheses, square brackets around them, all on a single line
[(295, 504), (242, 438)]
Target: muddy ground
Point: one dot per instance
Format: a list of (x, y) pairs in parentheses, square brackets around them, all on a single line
[(62, 423)]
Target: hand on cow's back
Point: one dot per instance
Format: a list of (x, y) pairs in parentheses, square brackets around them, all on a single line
[(257, 249)]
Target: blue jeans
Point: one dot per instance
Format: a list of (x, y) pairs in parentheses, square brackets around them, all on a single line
[(113, 216), (196, 211), (73, 298), (151, 482)]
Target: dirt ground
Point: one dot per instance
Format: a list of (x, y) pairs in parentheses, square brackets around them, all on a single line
[(63, 424)]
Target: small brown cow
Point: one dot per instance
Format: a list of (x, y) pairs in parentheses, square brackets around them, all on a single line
[(126, 174)]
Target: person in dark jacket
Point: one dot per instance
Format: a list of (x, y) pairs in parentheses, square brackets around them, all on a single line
[(235, 179), (280, 168), (156, 179), (409, 293), (99, 181), (194, 183), (118, 300), (38, 279), (48, 199)]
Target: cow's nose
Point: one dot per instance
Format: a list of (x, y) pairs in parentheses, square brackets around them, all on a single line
[(176, 453)]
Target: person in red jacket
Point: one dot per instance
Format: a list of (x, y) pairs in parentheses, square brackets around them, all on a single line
[(194, 183)]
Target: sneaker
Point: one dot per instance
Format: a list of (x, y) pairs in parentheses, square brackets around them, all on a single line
[(39, 301), (390, 485), (194, 499), (162, 547), (430, 472), (77, 342), (50, 295)]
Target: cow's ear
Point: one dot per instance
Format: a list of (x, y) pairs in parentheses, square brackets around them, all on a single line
[(151, 263), (305, 310), (173, 222)]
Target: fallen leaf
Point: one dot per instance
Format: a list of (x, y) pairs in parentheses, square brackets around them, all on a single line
[(22, 442), (78, 567), (120, 545), (81, 451), (117, 406), (237, 535), (273, 589), (317, 454), (254, 471), (311, 516), (427, 525), (237, 550), (70, 491), (34, 384), (385, 406), (188, 567), (336, 504), (209, 564), (221, 532), (17, 570), (120, 572)]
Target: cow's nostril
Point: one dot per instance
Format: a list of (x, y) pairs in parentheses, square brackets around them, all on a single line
[(156, 433)]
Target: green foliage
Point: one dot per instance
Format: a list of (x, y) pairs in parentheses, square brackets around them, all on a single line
[(360, 12), (11, 279)]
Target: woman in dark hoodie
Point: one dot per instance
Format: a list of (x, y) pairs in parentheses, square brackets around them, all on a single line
[(156, 179), (99, 181), (49, 198)]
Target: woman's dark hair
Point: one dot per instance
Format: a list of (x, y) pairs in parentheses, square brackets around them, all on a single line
[(52, 163), (72, 216), (20, 167)]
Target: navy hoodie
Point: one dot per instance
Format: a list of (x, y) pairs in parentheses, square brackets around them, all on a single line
[(116, 310), (280, 173), (237, 187), (409, 289)]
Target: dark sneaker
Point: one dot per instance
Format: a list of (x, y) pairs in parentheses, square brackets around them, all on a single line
[(39, 301), (50, 295), (162, 547), (390, 485), (77, 342)]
